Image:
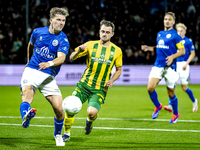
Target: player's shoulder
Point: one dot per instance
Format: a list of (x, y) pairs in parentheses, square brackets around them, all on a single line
[(188, 39), (41, 29), (92, 43), (116, 47)]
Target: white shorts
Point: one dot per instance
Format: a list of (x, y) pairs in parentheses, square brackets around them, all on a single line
[(183, 74), (170, 75), (39, 80)]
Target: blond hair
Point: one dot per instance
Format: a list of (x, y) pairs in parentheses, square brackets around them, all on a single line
[(181, 25), (171, 14), (57, 10)]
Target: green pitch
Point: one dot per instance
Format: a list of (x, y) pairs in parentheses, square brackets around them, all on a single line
[(124, 122)]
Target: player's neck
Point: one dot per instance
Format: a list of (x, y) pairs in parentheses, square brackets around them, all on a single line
[(52, 31), (168, 28), (105, 43)]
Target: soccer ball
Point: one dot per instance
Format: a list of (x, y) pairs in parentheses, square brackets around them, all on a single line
[(71, 105)]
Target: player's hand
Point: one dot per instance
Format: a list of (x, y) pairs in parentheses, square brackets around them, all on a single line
[(169, 60), (109, 83), (44, 65), (185, 66), (144, 48), (81, 48)]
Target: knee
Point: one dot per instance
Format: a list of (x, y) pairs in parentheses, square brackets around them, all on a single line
[(59, 113), (150, 89), (92, 112), (184, 88)]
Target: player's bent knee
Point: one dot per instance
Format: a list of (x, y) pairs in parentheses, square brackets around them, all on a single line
[(92, 112), (27, 94)]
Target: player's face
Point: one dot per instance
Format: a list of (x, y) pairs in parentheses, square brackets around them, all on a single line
[(181, 32), (168, 21), (58, 22), (105, 33)]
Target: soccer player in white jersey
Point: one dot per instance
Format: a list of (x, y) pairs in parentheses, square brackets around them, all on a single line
[(50, 47), (168, 41), (183, 65)]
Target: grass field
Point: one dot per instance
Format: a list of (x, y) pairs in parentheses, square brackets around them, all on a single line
[(124, 122)]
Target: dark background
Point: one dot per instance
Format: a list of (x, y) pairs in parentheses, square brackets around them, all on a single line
[(137, 22)]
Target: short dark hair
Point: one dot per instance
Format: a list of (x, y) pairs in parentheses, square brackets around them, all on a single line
[(107, 24), (57, 10), (171, 14)]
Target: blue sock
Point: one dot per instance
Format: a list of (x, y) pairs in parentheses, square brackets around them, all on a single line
[(154, 98), (174, 103), (190, 94), (58, 126), (24, 108)]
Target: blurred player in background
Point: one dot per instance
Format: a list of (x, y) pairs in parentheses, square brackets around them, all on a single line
[(183, 66), (50, 47), (168, 41), (102, 55)]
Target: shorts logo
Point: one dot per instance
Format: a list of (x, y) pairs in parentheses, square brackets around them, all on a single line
[(25, 81), (55, 42)]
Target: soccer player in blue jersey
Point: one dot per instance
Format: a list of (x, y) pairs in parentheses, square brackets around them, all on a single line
[(168, 41), (183, 65), (50, 47)]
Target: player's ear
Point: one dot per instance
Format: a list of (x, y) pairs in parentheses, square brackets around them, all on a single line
[(50, 20)]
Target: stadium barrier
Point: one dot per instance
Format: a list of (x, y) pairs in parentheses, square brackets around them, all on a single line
[(10, 75)]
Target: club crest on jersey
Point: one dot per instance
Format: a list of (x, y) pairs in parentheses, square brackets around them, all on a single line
[(168, 36), (55, 42), (40, 38), (112, 54), (183, 41)]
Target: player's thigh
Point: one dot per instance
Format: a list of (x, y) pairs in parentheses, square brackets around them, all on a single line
[(96, 100), (81, 92), (171, 78), (33, 78), (50, 87)]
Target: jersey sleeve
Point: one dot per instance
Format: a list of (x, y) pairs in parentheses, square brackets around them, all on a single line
[(191, 45), (33, 36), (64, 46), (118, 61)]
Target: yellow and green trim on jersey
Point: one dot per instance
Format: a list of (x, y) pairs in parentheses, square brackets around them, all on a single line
[(100, 61)]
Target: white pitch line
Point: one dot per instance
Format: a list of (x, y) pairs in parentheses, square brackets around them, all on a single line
[(109, 119), (108, 128)]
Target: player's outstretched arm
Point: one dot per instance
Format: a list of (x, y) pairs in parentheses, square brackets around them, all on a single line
[(74, 55), (147, 48), (57, 61)]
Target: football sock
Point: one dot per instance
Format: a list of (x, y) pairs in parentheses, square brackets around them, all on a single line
[(174, 103), (154, 98), (58, 126), (24, 108), (92, 119), (68, 121), (190, 94)]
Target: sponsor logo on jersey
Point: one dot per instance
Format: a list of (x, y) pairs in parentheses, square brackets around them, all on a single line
[(55, 42), (161, 44), (44, 51)]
